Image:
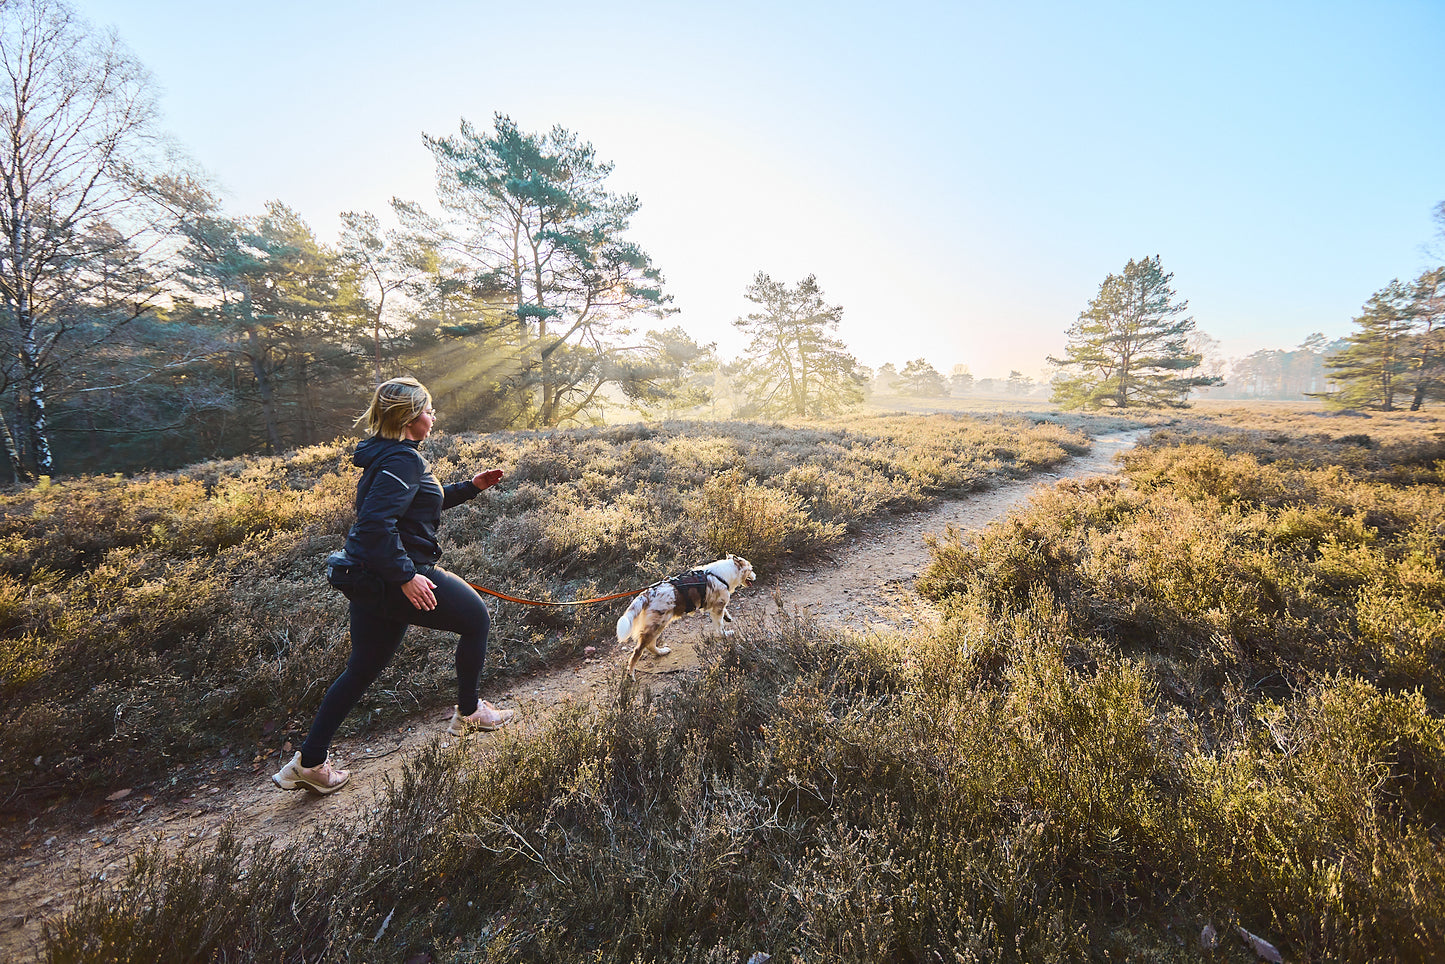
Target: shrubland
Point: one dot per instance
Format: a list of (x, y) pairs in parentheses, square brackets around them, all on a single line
[(162, 618), (1208, 693)]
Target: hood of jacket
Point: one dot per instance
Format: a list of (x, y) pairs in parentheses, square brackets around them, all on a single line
[(373, 447)]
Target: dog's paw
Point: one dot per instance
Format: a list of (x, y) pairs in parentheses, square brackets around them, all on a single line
[(727, 632), (662, 650)]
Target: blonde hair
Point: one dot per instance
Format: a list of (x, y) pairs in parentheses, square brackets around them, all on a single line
[(396, 403)]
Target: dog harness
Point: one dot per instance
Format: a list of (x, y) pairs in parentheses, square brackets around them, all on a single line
[(690, 590)]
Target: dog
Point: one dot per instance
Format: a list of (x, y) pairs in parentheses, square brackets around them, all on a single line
[(658, 606)]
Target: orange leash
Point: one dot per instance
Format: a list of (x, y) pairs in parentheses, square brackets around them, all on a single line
[(576, 602)]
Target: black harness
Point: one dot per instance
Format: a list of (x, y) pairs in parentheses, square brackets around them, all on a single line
[(690, 590)]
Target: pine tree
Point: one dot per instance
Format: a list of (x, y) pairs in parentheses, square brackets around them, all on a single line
[(534, 228), (669, 375), (1370, 370), (1130, 345), (284, 309), (887, 381), (922, 380), (960, 380), (794, 365), (1427, 349)]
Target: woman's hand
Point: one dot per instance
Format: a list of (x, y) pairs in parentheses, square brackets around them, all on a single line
[(487, 479), (419, 593)]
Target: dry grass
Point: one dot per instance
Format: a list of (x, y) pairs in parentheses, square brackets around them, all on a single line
[(151, 620), (1150, 708)]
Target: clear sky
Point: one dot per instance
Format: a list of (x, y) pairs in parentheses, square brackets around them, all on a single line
[(959, 176)]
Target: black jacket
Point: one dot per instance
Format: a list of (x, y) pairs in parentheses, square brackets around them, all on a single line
[(399, 505)]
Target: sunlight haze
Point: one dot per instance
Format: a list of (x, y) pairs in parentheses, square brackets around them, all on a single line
[(959, 177)]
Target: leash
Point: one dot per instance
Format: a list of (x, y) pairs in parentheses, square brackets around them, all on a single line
[(575, 602), (581, 602)]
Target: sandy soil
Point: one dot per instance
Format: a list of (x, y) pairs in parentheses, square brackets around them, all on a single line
[(867, 585)]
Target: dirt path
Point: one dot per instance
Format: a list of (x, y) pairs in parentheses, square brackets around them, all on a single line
[(868, 585)]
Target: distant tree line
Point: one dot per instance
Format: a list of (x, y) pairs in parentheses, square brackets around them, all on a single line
[(919, 379), (1394, 358), (1279, 374)]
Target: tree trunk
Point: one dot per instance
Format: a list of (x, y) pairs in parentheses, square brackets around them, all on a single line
[(1423, 382), (39, 431), (18, 472), (266, 391), (376, 335), (548, 409), (304, 402), (36, 426), (25, 321), (531, 402), (1125, 362)]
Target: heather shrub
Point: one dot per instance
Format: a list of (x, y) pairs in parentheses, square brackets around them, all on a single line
[(832, 498), (1148, 707), (1403, 632), (757, 522), (194, 601), (824, 797), (1399, 448), (1325, 811), (69, 526), (1274, 572), (580, 534)]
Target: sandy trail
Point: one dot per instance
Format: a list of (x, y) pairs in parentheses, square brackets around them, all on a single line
[(868, 585)]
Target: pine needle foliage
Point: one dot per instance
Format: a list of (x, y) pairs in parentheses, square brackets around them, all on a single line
[(1129, 347), (795, 366), (1370, 371)]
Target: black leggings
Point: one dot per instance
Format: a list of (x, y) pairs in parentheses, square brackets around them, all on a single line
[(377, 627)]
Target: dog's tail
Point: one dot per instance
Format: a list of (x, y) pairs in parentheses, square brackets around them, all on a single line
[(624, 625)]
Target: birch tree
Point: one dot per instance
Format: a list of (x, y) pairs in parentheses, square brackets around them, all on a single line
[(77, 132)]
